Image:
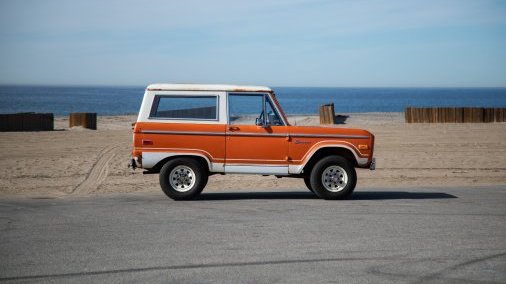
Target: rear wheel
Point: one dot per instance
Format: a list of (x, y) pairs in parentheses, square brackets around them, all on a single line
[(183, 178), (333, 177)]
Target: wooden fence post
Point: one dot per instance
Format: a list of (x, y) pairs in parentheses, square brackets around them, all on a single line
[(84, 119), (327, 114)]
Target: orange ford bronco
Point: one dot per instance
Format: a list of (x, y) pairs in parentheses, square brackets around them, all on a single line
[(186, 132)]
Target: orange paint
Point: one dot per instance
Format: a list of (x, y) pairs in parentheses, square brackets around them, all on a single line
[(248, 144)]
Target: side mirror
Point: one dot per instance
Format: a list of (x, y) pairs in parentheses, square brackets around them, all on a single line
[(273, 119), (260, 122)]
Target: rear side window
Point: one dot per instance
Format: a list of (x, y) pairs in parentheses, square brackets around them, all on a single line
[(185, 107)]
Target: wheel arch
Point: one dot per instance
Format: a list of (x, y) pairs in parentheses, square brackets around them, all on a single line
[(198, 157), (330, 150)]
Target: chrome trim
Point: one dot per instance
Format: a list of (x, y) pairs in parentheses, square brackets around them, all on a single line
[(329, 136), (256, 134), (213, 133), (183, 132), (207, 133)]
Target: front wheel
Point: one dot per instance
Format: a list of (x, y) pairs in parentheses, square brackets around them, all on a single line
[(183, 178), (333, 177)]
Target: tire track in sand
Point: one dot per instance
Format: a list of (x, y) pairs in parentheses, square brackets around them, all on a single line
[(98, 172)]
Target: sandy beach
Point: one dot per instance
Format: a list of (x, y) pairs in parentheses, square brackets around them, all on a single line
[(82, 162)]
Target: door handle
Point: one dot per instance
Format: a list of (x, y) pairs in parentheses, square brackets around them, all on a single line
[(233, 128)]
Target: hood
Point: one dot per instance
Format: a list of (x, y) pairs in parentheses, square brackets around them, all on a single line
[(326, 130)]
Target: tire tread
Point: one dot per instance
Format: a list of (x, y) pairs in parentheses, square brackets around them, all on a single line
[(317, 170), (201, 175)]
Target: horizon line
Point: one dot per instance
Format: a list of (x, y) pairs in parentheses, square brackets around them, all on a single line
[(272, 86)]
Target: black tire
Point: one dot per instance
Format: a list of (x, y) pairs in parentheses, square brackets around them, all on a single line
[(341, 182), (307, 182), (194, 181)]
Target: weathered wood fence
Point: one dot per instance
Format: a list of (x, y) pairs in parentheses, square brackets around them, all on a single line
[(327, 114), (29, 121), (84, 119), (454, 115)]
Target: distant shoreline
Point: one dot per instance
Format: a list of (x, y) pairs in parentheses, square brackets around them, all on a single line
[(288, 114), (62, 100), (273, 87)]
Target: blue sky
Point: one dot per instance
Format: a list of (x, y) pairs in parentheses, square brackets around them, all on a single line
[(459, 43)]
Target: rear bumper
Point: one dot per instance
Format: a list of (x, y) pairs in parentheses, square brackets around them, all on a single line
[(134, 163)]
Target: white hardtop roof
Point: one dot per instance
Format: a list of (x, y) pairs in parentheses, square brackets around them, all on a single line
[(203, 87)]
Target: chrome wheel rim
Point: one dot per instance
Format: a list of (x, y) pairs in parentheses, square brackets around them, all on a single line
[(334, 178), (182, 178)]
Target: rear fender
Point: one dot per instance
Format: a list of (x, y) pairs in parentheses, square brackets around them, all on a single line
[(154, 160)]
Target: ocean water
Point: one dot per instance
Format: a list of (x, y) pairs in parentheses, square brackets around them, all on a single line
[(294, 100)]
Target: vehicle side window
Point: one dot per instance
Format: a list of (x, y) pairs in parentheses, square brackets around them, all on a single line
[(185, 107), (245, 108), (272, 116)]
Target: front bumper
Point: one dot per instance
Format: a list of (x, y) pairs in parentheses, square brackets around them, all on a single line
[(372, 166)]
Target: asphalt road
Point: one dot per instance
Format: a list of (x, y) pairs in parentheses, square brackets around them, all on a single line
[(416, 235)]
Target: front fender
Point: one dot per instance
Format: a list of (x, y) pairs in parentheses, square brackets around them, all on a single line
[(360, 159)]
